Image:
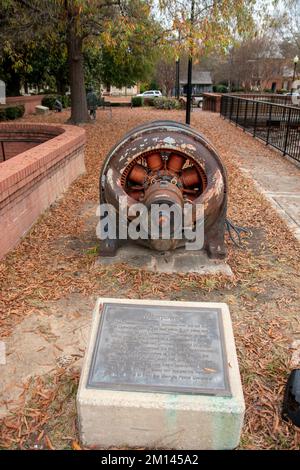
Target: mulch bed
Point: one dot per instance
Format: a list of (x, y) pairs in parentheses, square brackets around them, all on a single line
[(263, 295)]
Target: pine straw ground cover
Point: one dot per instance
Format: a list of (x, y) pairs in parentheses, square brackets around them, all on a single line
[(263, 295)]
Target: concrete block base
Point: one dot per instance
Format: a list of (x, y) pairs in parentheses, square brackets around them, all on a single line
[(177, 261), (130, 419), (41, 109)]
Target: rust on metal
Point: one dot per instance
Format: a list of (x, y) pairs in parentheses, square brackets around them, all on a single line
[(154, 161), (168, 162)]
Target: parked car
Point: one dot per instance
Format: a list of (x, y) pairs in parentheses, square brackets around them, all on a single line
[(293, 93), (295, 97), (150, 94), (197, 101)]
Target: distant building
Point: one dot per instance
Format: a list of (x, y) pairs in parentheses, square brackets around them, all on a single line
[(271, 71), (110, 90), (201, 82), (2, 92), (281, 81)]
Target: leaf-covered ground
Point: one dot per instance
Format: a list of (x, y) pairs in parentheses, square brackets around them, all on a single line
[(263, 295)]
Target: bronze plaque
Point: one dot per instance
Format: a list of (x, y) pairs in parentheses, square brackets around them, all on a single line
[(156, 348)]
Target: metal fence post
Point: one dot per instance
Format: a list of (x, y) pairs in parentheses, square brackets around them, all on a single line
[(246, 115), (287, 132), (222, 106), (231, 106), (225, 98), (255, 121), (269, 124), (227, 105), (237, 112)]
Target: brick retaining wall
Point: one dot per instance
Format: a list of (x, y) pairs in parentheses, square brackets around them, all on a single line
[(31, 181), (14, 140), (29, 102), (212, 102)]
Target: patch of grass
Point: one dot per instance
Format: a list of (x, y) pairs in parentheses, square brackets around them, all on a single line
[(93, 251), (277, 364)]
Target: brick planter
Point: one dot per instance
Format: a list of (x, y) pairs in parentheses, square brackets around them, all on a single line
[(212, 102), (15, 139), (32, 180), (29, 102)]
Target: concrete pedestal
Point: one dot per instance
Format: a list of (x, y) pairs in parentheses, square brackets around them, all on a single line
[(41, 109), (118, 418), (179, 261)]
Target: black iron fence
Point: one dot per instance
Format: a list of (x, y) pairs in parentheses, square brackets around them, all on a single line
[(269, 97), (276, 124)]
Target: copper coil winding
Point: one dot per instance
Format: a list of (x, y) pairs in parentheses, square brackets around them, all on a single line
[(175, 162), (190, 177), (193, 175), (138, 174), (154, 161)]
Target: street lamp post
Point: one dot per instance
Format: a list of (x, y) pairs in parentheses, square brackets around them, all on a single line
[(296, 60), (190, 71), (177, 87)]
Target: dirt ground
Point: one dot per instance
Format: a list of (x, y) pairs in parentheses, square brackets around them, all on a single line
[(50, 281)]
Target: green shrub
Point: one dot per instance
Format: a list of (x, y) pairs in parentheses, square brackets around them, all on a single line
[(65, 100), (149, 101), (182, 103), (14, 112), (143, 87), (48, 91), (2, 114), (236, 89), (268, 90), (137, 101), (116, 104), (220, 88), (282, 91), (152, 85), (49, 100), (166, 103)]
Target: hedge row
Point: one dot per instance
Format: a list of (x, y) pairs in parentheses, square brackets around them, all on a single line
[(9, 113), (137, 101), (159, 102), (166, 103), (49, 101), (220, 89)]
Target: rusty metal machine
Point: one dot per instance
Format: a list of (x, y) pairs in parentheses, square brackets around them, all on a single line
[(171, 163)]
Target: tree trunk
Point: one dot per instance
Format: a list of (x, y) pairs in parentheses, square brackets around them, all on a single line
[(60, 85), (79, 111), (13, 85)]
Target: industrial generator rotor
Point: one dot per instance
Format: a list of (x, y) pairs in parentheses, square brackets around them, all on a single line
[(168, 164)]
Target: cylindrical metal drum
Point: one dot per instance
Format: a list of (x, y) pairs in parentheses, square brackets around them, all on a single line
[(170, 163)]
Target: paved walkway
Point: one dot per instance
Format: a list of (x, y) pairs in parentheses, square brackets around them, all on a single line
[(274, 175), (279, 180)]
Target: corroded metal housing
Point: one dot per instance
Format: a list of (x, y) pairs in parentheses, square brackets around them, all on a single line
[(169, 162)]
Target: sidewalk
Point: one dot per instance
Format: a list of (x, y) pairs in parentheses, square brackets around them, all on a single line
[(274, 175), (279, 181)]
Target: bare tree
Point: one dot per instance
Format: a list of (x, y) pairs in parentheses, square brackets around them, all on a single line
[(250, 64), (165, 70)]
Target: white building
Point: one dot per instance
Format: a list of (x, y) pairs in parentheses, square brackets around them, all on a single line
[(2, 92), (124, 91)]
